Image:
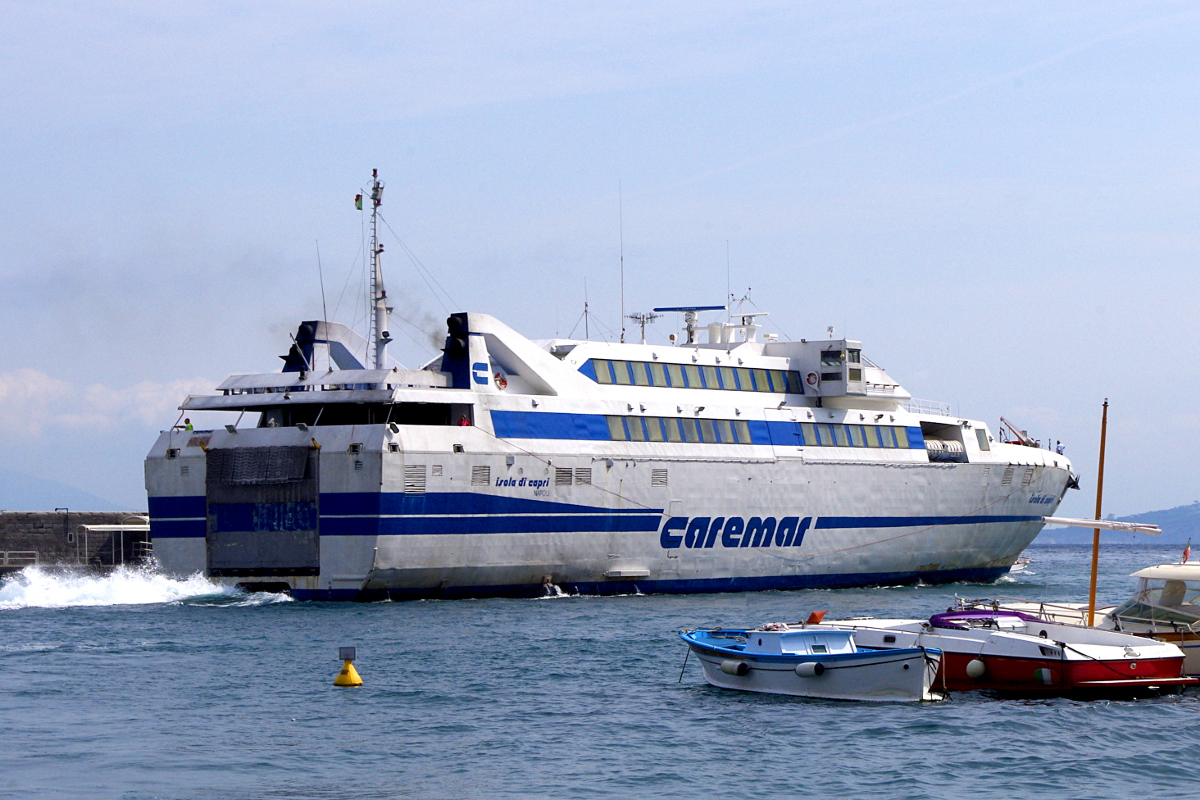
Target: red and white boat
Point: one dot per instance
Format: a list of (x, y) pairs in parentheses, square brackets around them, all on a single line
[(1016, 653)]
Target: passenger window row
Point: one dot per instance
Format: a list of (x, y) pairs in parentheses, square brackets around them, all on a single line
[(695, 376), (693, 430), (678, 429), (819, 434)]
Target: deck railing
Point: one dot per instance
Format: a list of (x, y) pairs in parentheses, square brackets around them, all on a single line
[(18, 558), (926, 407)]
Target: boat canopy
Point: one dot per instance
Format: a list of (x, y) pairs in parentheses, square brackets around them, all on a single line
[(1171, 572)]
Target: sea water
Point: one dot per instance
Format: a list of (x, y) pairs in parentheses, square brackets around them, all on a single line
[(138, 685)]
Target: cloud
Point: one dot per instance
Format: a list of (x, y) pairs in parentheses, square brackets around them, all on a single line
[(33, 403)]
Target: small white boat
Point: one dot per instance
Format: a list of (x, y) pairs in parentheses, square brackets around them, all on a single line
[(813, 662)]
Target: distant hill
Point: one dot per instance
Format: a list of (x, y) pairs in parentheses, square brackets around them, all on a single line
[(21, 492), (1178, 525)]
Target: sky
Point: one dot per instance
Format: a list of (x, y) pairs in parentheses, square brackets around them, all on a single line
[(1000, 200)]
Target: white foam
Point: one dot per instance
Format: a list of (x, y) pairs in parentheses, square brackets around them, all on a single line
[(34, 587)]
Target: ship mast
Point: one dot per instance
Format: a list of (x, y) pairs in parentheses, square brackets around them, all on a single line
[(379, 322)]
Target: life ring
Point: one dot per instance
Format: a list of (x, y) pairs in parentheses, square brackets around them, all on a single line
[(501, 381), (812, 379)]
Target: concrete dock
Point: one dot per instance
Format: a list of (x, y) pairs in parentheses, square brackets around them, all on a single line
[(67, 539)]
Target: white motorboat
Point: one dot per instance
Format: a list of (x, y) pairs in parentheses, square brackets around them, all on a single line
[(821, 662), (1165, 606), (1015, 653)]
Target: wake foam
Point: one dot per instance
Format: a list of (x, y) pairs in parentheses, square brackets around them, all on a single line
[(34, 587)]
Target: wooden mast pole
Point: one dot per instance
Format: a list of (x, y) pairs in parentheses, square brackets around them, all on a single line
[(1096, 531)]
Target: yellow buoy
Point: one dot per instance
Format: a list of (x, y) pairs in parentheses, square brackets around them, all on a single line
[(349, 675)]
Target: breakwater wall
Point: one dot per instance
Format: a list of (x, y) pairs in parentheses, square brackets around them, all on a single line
[(54, 538)]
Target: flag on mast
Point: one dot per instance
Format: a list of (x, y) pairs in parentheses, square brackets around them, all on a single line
[(1187, 552), (358, 201)]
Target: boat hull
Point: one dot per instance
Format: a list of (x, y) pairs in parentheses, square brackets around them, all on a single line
[(615, 525), (880, 676), (1041, 659), (1032, 676)]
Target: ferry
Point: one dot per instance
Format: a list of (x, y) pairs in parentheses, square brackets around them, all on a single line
[(721, 460)]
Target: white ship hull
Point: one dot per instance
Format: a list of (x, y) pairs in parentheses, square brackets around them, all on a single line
[(818, 522)]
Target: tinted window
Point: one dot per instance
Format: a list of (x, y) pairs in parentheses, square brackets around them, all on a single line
[(603, 371), (856, 436), (810, 434), (658, 374), (675, 373), (621, 372)]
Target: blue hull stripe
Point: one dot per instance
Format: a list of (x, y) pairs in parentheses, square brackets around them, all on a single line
[(177, 528), (453, 504), (594, 427), (550, 425), (395, 514), (913, 522), (777, 582), (425, 526), (176, 507)]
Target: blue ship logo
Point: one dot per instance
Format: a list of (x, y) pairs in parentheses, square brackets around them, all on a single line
[(705, 532)]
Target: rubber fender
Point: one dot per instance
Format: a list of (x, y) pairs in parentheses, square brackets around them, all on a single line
[(976, 669), (810, 669), (731, 667)]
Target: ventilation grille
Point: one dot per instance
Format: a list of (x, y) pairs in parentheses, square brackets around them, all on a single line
[(183, 470), (257, 466), (481, 476), (1027, 478), (358, 466), (414, 479), (987, 472), (562, 476), (583, 476), (658, 477), (1008, 473)]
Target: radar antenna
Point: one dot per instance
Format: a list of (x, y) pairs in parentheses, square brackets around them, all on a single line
[(644, 319)]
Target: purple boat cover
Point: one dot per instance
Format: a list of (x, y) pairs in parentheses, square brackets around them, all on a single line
[(947, 620)]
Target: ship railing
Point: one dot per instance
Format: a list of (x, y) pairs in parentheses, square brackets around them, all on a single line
[(18, 558), (935, 407)]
